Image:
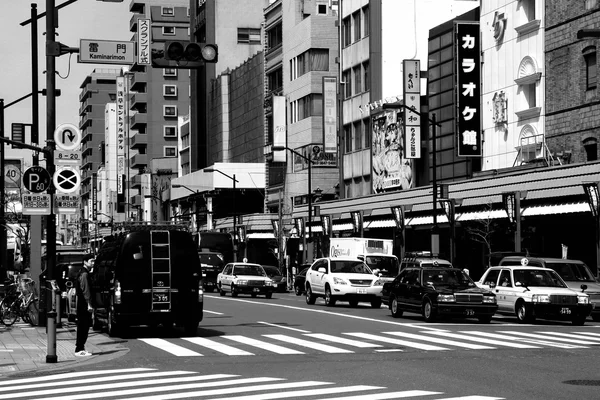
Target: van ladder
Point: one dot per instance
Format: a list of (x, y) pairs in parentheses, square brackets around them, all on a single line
[(160, 260)]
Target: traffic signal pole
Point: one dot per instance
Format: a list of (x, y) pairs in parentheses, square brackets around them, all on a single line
[(51, 23)]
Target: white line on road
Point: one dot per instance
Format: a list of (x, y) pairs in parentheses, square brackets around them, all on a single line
[(213, 312), (439, 340), (536, 336), (262, 345), (483, 340), (283, 327), (535, 342), (70, 375), (171, 347), (216, 346), (337, 339), (309, 344), (298, 393), (397, 342), (389, 395)]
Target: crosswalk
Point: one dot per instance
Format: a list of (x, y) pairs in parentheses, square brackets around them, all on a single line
[(353, 342), (152, 384)]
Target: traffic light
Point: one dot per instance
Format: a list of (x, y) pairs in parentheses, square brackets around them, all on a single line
[(190, 54)]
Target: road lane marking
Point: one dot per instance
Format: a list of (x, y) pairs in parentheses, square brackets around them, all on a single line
[(262, 345), (337, 339), (537, 336), (574, 336), (171, 348), (67, 377), (440, 341), (388, 395), (476, 397), (397, 342), (283, 327), (311, 345), (216, 346), (482, 340), (214, 312), (536, 342), (307, 392)]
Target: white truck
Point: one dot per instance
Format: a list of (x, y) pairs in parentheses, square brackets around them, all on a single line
[(376, 253)]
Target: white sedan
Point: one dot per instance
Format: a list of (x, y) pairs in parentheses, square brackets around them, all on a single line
[(245, 278)]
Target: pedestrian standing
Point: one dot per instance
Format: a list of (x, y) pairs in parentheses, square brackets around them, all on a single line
[(84, 306)]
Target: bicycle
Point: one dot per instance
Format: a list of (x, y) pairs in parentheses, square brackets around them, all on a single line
[(22, 304)]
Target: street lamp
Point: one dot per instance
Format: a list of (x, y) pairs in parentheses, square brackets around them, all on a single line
[(435, 236), (309, 162), (234, 209), (512, 206), (178, 185), (592, 192)]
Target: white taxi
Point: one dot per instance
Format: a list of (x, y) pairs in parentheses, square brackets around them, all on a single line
[(346, 279), (535, 292), (245, 278)]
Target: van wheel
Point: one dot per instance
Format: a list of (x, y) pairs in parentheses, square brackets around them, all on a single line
[(191, 328), (269, 295), (596, 317), (113, 326)]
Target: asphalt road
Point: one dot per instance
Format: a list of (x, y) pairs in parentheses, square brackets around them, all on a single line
[(251, 348)]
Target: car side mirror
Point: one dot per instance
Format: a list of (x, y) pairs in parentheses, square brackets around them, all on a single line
[(492, 285), (583, 287), (518, 284), (139, 255), (69, 284)]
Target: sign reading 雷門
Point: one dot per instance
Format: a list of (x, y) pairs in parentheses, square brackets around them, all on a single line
[(468, 117)]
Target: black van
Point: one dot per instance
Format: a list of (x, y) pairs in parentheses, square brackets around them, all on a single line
[(149, 274)]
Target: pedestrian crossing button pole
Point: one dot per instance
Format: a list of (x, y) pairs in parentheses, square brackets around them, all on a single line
[(51, 356)]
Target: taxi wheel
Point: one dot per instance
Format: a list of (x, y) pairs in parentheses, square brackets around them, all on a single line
[(485, 319), (524, 313), (579, 321), (269, 295), (596, 317), (428, 312), (329, 299), (396, 311), (253, 295), (310, 298), (221, 291), (233, 292)]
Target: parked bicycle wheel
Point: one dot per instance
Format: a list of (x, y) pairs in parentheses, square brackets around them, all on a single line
[(33, 312), (10, 312)]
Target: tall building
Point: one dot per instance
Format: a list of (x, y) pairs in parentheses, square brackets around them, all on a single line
[(156, 97), (97, 89)]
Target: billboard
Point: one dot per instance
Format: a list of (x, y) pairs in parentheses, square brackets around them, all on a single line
[(391, 170), (468, 86), (412, 102), (121, 126), (279, 128), (330, 114), (315, 153)]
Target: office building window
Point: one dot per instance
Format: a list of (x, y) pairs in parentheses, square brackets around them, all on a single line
[(591, 68), (307, 106), (169, 111), (168, 30), (169, 131), (274, 37), (310, 60), (358, 137), (322, 9), (170, 151), (347, 81), (169, 72), (275, 79), (357, 72), (167, 11), (366, 23), (591, 149), (347, 31), (249, 35), (366, 77), (348, 138), (356, 26), (169, 90), (367, 132)]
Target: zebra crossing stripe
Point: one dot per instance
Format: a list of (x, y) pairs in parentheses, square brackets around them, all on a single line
[(439, 341), (535, 342), (574, 336), (216, 346), (67, 377), (481, 340), (337, 339), (397, 342), (262, 345), (307, 392), (589, 334), (388, 395), (172, 348), (476, 397), (537, 336), (103, 393), (305, 343)]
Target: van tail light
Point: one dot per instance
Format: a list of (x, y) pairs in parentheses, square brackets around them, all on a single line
[(117, 295)]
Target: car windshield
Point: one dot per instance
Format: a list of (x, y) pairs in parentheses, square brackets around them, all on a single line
[(350, 267), (255, 270), (538, 277), (447, 276), (387, 266), (215, 259), (572, 271), (271, 271)]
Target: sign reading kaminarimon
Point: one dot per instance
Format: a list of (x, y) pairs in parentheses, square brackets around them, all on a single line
[(468, 118)]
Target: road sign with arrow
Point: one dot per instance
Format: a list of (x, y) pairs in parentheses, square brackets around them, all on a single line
[(67, 137)]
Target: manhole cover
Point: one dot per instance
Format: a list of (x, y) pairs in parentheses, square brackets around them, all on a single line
[(583, 382)]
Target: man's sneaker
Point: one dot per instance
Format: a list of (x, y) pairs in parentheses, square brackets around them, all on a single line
[(82, 353)]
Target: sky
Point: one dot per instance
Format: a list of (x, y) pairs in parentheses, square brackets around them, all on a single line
[(84, 19)]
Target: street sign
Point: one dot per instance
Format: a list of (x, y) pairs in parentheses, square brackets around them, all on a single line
[(67, 180), (106, 52), (13, 173), (67, 137), (36, 179), (36, 204), (67, 203), (66, 157)]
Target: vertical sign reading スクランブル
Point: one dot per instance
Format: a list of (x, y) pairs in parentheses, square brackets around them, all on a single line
[(143, 41), (412, 102), (121, 143), (469, 88)]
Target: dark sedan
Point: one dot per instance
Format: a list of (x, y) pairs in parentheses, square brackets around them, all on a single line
[(277, 277), (299, 281), (439, 292)]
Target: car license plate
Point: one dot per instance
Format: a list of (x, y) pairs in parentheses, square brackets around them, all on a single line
[(565, 310), (469, 312), (256, 289), (361, 291)]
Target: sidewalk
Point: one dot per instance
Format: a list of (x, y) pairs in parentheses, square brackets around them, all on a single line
[(24, 348)]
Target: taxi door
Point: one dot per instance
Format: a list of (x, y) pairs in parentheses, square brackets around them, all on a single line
[(506, 295)]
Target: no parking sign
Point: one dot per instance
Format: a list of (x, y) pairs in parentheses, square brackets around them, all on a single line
[(67, 180)]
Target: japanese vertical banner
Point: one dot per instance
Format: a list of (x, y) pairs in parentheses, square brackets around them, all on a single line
[(143, 43), (330, 114), (412, 102), (94, 197), (121, 143), (468, 86)]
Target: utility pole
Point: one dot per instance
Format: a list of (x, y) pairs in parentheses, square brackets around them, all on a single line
[(3, 258)]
